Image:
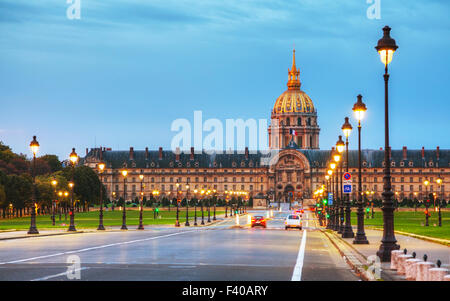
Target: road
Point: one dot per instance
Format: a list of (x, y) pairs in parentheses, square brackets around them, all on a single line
[(216, 252)]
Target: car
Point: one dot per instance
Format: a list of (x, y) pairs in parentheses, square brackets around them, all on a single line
[(259, 221), (293, 221)]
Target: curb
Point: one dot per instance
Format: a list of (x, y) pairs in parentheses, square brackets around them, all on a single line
[(356, 265), (41, 235), (444, 242)]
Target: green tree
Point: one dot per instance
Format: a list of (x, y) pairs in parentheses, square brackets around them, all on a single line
[(53, 162)]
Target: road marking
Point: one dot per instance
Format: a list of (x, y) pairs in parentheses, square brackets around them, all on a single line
[(297, 275), (58, 275), (98, 247)]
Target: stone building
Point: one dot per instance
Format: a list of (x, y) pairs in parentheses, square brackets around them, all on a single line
[(295, 167)]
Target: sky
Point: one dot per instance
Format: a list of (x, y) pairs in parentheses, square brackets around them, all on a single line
[(122, 73)]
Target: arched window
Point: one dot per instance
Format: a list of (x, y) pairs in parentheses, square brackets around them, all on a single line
[(308, 121), (288, 121), (310, 141), (299, 121)]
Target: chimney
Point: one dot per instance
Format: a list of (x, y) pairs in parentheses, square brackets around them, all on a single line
[(246, 153), (101, 154), (437, 152), (87, 151), (192, 154), (177, 154), (404, 152), (423, 152), (160, 153), (131, 153), (146, 153)]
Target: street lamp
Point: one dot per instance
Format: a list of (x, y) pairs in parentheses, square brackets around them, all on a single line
[(202, 193), (54, 183), (177, 221), (336, 157), (334, 210), (34, 145), (426, 183), (386, 48), (73, 157), (101, 168), (141, 226), (439, 182), (209, 204), (187, 207), (124, 210), (195, 207), (214, 200), (226, 203), (359, 109)]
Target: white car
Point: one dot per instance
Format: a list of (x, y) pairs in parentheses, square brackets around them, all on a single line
[(293, 221)]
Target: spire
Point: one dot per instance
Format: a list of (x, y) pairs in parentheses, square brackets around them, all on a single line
[(294, 73)]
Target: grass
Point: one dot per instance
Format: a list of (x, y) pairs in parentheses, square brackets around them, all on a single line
[(89, 220), (413, 222)]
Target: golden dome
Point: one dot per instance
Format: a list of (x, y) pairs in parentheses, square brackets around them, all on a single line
[(293, 100)]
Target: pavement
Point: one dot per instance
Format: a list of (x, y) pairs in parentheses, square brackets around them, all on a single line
[(220, 251), (360, 256)]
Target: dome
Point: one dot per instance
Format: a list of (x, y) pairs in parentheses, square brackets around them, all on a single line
[(293, 100)]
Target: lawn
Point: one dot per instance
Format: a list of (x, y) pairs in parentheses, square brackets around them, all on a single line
[(88, 220), (413, 222)]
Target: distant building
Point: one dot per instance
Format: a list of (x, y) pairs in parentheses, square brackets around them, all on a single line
[(296, 168)]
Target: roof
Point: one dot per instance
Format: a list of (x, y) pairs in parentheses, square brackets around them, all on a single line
[(316, 158)]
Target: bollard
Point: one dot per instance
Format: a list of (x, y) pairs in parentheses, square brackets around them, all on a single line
[(422, 270), (411, 267), (437, 274), (394, 255), (401, 264)]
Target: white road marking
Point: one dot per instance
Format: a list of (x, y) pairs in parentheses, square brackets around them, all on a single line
[(297, 275), (58, 275), (98, 247)]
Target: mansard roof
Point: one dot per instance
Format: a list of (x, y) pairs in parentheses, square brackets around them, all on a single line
[(316, 158)]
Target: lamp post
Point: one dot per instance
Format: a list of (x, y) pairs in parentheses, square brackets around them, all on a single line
[(73, 159), (330, 223), (202, 193), (208, 193), (187, 207), (34, 145), (60, 194), (333, 212), (101, 167), (226, 203), (195, 207), (141, 226), (54, 183), (359, 108), (439, 182), (214, 200), (427, 200), (124, 211), (177, 221), (336, 157), (386, 48)]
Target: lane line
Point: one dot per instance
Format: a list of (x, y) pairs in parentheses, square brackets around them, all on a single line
[(99, 247), (297, 274), (58, 275)]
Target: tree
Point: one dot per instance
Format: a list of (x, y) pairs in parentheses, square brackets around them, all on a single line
[(53, 162)]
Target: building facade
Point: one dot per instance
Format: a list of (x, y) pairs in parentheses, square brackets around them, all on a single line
[(294, 168)]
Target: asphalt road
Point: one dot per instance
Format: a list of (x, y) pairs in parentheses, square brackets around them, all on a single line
[(217, 252)]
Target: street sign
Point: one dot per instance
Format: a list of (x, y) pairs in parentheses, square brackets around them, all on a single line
[(330, 198), (347, 188), (347, 176)]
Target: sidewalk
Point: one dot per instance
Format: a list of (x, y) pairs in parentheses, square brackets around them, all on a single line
[(361, 253), (19, 234)]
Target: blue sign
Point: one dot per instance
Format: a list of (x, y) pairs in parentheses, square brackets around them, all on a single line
[(347, 188), (330, 198)]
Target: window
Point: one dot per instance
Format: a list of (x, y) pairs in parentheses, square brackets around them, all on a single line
[(299, 121), (215, 180), (242, 187), (411, 188), (375, 187), (163, 187), (288, 121), (402, 179), (225, 187), (242, 180), (152, 180), (411, 180), (251, 187), (401, 188), (234, 179)]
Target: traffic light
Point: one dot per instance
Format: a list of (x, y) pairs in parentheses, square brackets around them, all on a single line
[(328, 216), (318, 204), (157, 209), (325, 201), (367, 209)]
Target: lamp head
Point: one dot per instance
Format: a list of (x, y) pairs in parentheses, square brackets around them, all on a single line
[(101, 167), (359, 108), (340, 145), (73, 157), (386, 46), (34, 145), (347, 128), (124, 173), (332, 165), (54, 182), (141, 177)]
